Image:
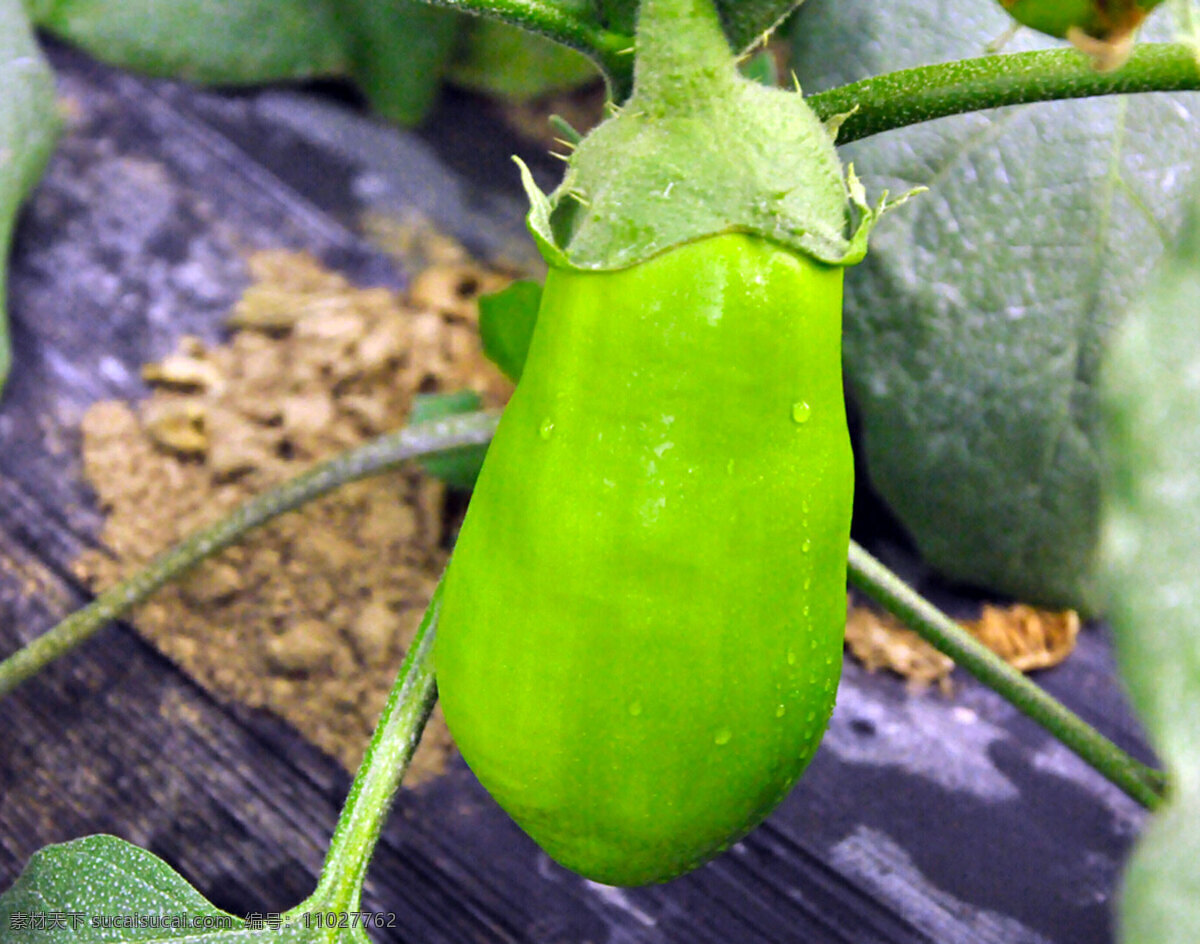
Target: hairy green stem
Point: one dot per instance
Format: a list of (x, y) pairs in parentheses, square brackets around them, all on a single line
[(379, 775), (612, 52), (898, 99), (383, 453), (895, 99), (1141, 782)]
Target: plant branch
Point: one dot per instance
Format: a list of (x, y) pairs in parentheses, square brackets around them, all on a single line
[(1141, 782), (911, 96), (379, 454), (379, 775), (612, 52)]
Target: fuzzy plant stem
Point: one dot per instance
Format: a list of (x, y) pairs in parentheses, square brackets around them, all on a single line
[(414, 442), (895, 99), (612, 52), (379, 775), (867, 574), (909, 97)]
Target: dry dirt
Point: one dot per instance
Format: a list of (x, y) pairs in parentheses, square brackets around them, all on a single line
[(311, 615)]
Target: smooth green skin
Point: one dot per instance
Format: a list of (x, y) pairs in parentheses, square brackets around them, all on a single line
[(640, 640), (1094, 17)]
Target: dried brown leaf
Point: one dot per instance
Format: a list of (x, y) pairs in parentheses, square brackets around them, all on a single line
[(1025, 637)]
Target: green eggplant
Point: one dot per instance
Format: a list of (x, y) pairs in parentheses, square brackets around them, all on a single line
[(640, 640)]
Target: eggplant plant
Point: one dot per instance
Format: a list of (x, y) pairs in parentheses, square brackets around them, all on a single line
[(637, 640)]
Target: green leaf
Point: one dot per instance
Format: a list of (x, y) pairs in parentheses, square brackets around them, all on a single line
[(761, 68), (228, 41), (1161, 886), (506, 322), (746, 21), (96, 881), (395, 49), (503, 60), (103, 890), (398, 51), (1151, 554), (1151, 398), (457, 469), (28, 128), (974, 328)]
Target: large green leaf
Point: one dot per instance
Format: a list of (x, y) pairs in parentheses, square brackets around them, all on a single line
[(229, 41), (1151, 387), (394, 49), (102, 890), (975, 327), (28, 127)]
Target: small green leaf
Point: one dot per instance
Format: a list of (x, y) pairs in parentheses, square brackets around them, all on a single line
[(506, 322), (761, 68), (103, 890), (83, 891), (1151, 556), (503, 60), (747, 21), (457, 469), (28, 128), (565, 130), (398, 53)]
